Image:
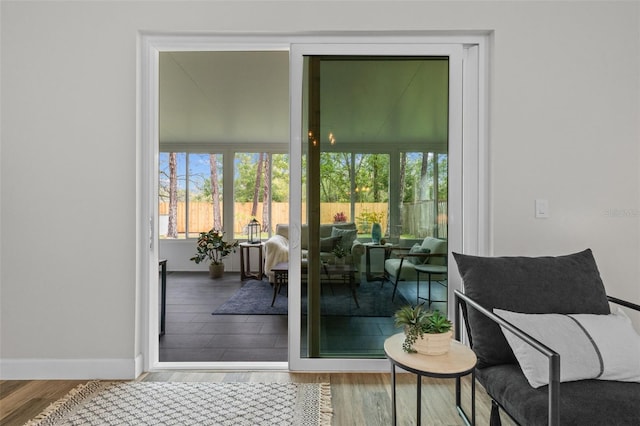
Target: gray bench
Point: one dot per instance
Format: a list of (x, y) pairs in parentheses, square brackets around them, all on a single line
[(563, 285)]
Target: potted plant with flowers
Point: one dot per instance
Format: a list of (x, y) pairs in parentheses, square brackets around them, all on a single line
[(212, 246), (339, 217), (426, 332)]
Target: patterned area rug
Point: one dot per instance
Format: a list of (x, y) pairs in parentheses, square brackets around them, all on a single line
[(254, 298), (192, 403)]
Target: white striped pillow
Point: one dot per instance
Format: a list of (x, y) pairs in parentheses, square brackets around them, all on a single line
[(604, 347)]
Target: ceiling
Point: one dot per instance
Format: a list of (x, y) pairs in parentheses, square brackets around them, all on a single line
[(243, 97), (224, 97)]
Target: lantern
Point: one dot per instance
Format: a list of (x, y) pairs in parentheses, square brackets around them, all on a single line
[(253, 231)]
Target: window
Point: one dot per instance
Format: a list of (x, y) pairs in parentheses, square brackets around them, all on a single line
[(260, 191), (371, 191), (423, 178), (191, 192), (190, 200), (354, 187)]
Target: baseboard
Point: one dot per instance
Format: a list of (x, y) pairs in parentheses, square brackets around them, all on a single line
[(139, 366), (70, 369)]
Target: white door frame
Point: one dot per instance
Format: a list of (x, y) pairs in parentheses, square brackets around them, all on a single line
[(468, 230)]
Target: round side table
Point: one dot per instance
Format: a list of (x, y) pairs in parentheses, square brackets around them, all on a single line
[(429, 270), (458, 362)]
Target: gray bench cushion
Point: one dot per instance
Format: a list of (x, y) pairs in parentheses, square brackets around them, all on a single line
[(568, 284), (585, 402)]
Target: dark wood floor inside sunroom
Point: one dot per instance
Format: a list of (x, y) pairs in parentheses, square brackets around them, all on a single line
[(193, 334)]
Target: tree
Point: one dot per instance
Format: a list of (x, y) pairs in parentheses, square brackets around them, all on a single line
[(215, 192), (266, 205), (424, 187), (443, 176), (403, 171), (335, 172), (279, 168), (379, 166), (256, 187), (245, 177), (172, 230)]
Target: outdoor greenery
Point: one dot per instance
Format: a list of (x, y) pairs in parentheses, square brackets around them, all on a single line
[(371, 171), (366, 219), (346, 177), (246, 168)]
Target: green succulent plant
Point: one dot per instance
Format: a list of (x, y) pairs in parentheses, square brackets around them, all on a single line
[(417, 321), (339, 251), (436, 323)]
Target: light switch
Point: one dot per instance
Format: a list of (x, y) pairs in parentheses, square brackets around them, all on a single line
[(542, 208)]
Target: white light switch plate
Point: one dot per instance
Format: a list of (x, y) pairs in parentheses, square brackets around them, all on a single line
[(542, 208)]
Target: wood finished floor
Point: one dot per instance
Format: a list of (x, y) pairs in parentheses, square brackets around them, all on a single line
[(357, 398), (194, 335)]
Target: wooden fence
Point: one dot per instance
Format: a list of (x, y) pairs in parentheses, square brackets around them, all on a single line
[(417, 218)]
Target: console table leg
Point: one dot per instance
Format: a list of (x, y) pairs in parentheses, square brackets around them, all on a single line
[(163, 297), (353, 288), (419, 400), (473, 397), (393, 394)]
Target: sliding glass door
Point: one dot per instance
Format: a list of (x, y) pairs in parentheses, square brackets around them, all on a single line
[(359, 173), (373, 153)]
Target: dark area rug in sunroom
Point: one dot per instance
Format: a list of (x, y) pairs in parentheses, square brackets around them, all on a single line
[(254, 298)]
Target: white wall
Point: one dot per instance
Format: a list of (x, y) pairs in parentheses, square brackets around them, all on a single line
[(564, 125), (178, 252)]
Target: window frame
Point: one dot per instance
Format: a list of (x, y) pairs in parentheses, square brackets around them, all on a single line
[(476, 216)]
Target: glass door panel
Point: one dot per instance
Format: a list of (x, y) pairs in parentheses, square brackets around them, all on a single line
[(374, 162), (423, 210)]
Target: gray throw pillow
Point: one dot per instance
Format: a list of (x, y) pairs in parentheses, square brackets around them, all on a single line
[(347, 237), (418, 260), (568, 284), (329, 243)]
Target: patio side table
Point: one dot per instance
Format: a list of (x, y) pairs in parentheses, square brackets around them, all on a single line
[(245, 261), (429, 270), (458, 362), (369, 248)]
